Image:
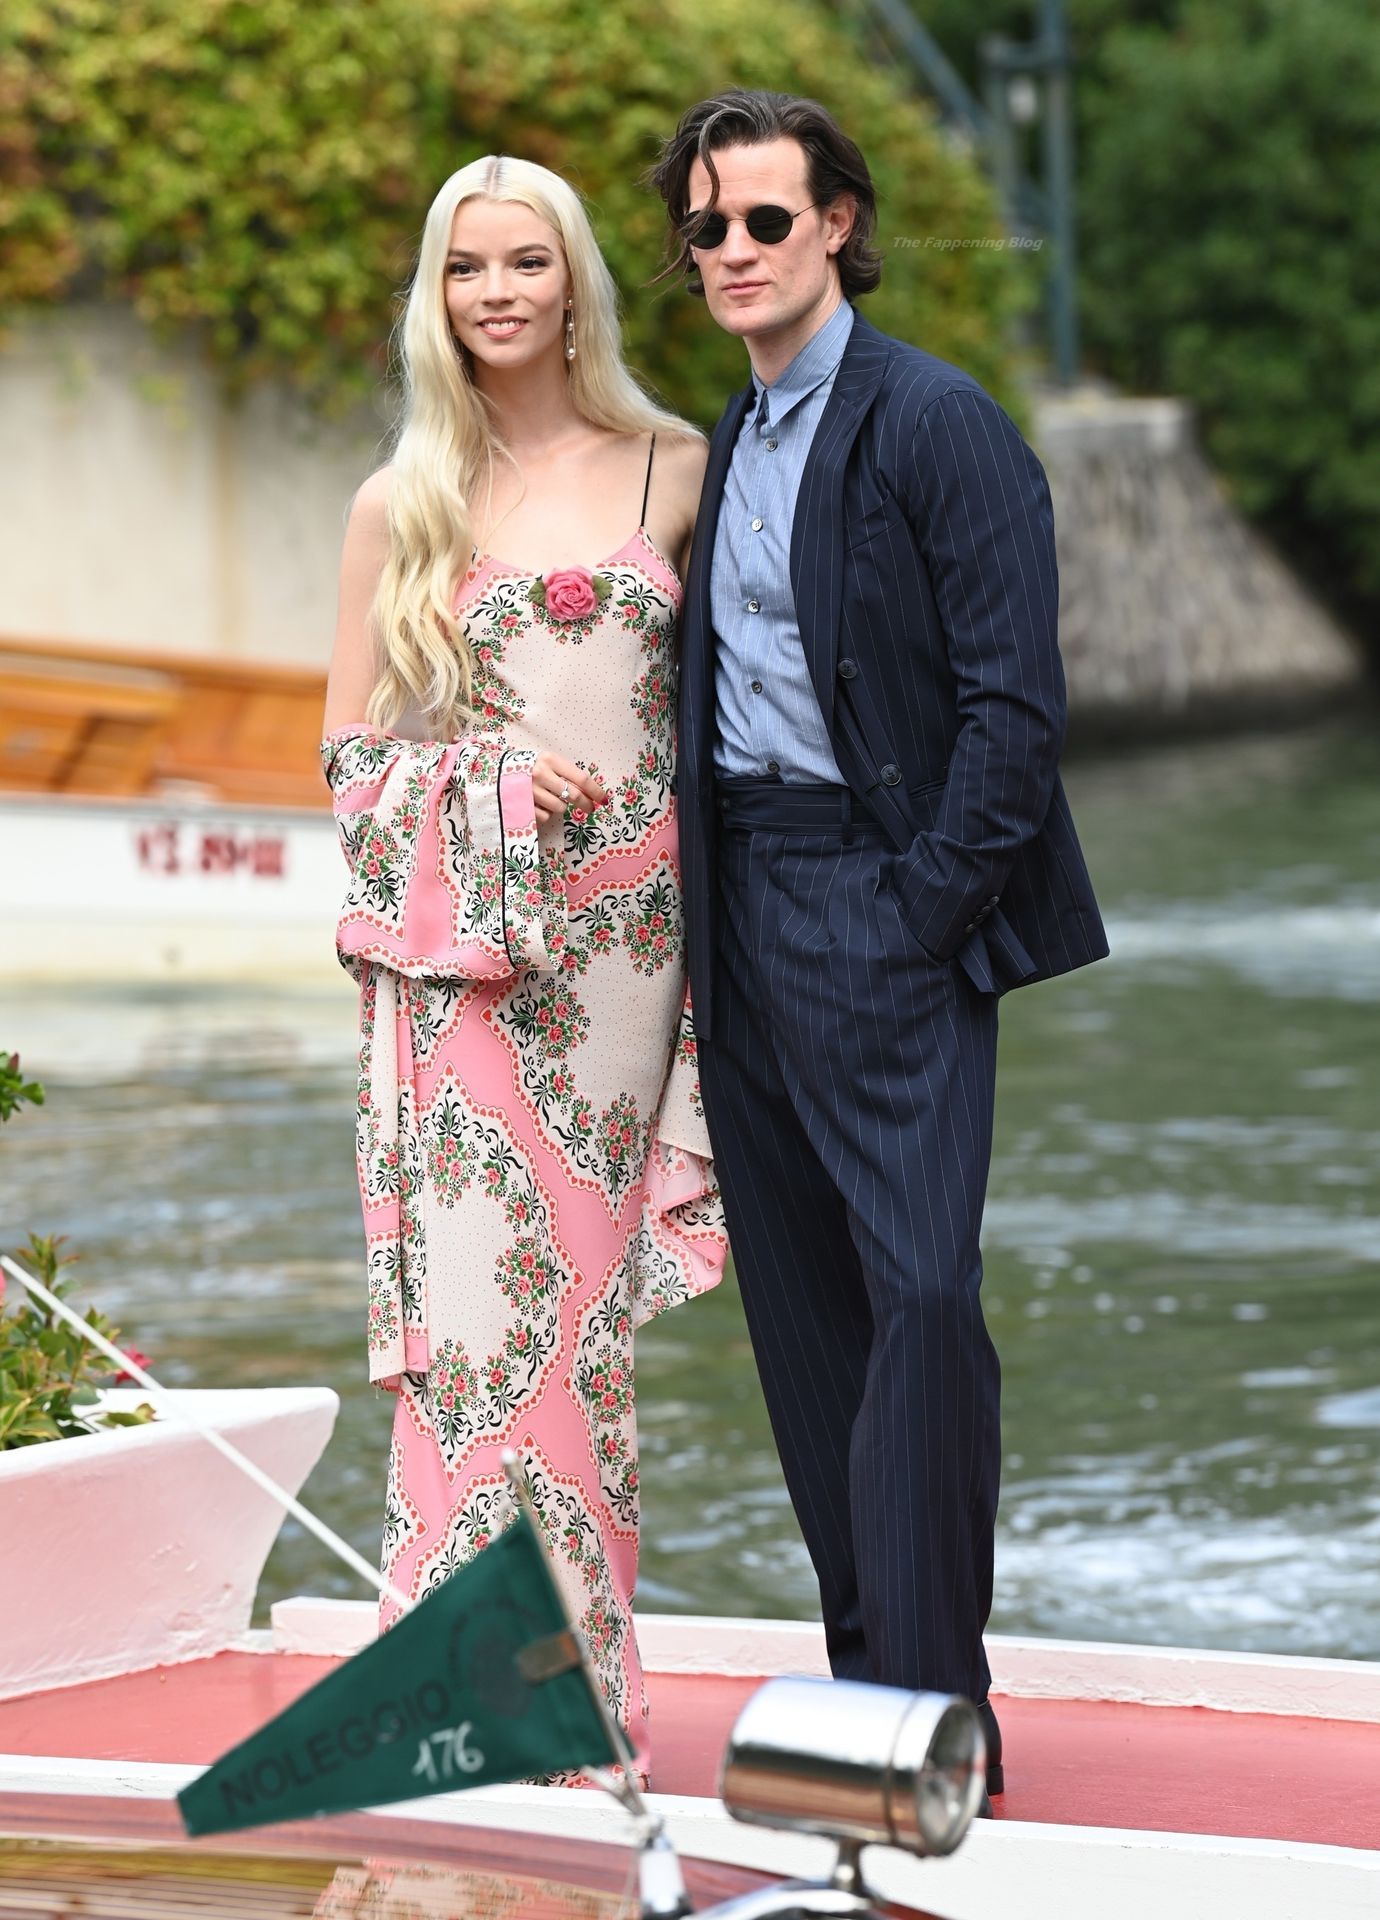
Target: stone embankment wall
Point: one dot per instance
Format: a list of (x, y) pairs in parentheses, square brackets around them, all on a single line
[(1171, 605), (138, 509)]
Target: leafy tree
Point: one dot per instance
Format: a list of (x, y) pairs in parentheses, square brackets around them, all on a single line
[(258, 169), (1228, 157), (1231, 236), (961, 25)]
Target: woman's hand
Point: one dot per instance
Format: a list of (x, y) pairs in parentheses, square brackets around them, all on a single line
[(559, 785)]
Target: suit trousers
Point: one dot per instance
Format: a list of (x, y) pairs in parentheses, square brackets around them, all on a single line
[(849, 1084)]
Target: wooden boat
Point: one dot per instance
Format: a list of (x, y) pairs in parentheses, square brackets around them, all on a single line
[(1140, 1781), (141, 1868), (82, 719), (164, 817)]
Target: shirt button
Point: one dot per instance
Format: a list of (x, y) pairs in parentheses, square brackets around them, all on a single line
[(771, 446), (756, 686), (757, 526), (773, 766), (754, 606)]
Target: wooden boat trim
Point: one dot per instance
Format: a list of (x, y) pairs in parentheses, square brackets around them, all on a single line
[(1042, 1872)]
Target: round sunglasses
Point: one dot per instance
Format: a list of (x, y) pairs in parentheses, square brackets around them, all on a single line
[(767, 225)]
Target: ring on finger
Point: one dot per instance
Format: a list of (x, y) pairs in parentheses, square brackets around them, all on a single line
[(565, 792)]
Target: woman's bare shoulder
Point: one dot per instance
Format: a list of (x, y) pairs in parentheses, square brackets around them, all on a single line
[(369, 508), (685, 455), (682, 478), (686, 446)]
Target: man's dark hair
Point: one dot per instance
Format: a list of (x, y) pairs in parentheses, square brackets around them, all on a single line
[(742, 117)]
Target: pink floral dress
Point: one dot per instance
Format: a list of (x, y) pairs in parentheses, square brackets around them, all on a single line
[(532, 1157)]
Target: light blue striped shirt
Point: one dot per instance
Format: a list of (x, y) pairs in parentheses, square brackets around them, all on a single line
[(769, 719)]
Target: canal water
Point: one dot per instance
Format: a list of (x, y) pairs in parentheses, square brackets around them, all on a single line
[(1182, 1240)]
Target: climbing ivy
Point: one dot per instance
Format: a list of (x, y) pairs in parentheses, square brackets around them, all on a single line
[(257, 170)]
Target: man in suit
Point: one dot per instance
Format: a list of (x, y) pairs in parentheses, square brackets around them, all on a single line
[(875, 845)]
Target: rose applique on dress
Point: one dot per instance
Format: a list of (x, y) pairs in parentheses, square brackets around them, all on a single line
[(570, 596)]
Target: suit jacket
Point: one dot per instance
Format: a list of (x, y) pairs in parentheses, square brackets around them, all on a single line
[(923, 569)]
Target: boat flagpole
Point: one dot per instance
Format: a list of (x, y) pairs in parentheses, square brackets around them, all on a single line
[(176, 1405), (661, 1882)]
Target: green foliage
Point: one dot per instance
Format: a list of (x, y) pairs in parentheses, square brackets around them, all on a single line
[(1228, 159), (15, 1090), (247, 166), (48, 1373), (259, 169), (960, 26), (1231, 233)]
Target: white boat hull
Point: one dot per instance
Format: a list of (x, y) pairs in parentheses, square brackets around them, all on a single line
[(141, 1546), (114, 891)]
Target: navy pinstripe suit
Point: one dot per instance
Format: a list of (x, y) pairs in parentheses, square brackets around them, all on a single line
[(845, 983)]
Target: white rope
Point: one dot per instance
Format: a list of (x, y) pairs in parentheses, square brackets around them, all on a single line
[(176, 1405)]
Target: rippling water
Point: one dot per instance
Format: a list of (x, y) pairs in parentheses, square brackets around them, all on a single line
[(1183, 1234)]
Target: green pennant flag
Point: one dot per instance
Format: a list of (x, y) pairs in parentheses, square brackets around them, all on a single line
[(483, 1681)]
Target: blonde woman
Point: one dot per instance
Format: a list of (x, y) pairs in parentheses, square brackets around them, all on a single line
[(533, 1165)]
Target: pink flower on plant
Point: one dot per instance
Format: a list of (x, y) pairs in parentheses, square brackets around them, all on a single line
[(139, 1360), (570, 593)]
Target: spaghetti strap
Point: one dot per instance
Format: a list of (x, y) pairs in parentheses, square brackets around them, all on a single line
[(646, 491)]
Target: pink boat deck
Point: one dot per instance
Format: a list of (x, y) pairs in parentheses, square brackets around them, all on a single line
[(1069, 1762)]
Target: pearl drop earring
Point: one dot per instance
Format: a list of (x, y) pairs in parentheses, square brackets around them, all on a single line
[(570, 333)]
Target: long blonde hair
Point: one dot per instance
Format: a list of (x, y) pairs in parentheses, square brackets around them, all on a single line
[(446, 440)]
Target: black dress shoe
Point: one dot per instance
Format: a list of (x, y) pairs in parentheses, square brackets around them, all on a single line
[(996, 1777)]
